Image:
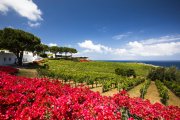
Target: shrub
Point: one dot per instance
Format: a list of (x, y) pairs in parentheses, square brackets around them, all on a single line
[(130, 72), (125, 72), (8, 69), (157, 74), (160, 73), (43, 55)]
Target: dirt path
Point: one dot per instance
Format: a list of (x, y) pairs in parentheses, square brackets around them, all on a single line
[(30, 73), (152, 93), (108, 93), (135, 92), (97, 89), (173, 99)]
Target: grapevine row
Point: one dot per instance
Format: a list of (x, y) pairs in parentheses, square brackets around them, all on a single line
[(143, 89), (162, 91), (108, 81), (173, 86)]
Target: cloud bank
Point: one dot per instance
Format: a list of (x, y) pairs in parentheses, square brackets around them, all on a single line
[(25, 8), (165, 46)]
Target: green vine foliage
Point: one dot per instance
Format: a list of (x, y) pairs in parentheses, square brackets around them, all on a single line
[(163, 92), (144, 88)]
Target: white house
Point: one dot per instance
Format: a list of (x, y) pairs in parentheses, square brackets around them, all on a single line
[(8, 58)]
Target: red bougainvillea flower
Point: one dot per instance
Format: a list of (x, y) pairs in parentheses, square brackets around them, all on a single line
[(41, 98)]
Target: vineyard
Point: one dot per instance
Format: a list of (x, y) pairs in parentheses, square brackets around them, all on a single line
[(94, 73), (43, 98), (103, 77)]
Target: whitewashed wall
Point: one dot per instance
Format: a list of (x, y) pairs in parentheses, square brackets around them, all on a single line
[(7, 58), (28, 57)]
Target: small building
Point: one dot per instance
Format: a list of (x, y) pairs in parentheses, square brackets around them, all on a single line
[(9, 58)]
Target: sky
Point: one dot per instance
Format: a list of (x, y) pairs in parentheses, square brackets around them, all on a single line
[(101, 29)]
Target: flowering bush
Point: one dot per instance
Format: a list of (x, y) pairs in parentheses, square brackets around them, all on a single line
[(8, 69), (83, 60), (27, 98)]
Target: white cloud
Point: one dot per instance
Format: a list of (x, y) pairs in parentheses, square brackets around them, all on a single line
[(52, 44), (25, 8), (121, 36), (91, 47), (3, 8), (151, 48), (160, 49), (163, 39), (36, 24)]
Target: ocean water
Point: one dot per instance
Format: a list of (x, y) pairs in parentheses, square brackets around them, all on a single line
[(157, 63)]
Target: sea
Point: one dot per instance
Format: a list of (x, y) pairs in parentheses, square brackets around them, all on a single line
[(156, 63)]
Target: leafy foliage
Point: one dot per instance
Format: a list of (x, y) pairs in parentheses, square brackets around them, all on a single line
[(161, 74), (54, 49), (173, 86), (144, 88), (157, 74), (18, 41), (162, 91), (125, 72)]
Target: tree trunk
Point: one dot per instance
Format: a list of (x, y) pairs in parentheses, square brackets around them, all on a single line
[(66, 55), (71, 55), (20, 58), (55, 54)]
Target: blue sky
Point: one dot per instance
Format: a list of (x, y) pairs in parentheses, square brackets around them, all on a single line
[(101, 29)]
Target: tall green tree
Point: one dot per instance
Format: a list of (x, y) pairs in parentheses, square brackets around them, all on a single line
[(72, 51), (170, 73), (61, 50), (54, 49), (66, 50), (41, 48), (18, 41)]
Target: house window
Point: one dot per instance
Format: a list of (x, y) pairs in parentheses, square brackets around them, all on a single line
[(4, 59), (9, 59)]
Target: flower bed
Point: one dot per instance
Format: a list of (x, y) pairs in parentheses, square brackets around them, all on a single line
[(8, 69), (27, 98)]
